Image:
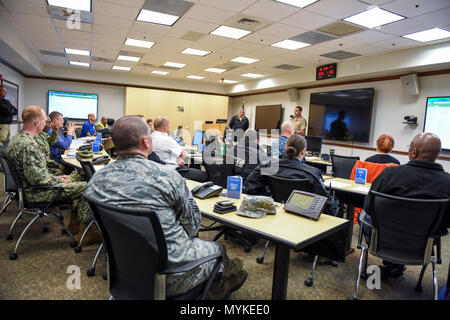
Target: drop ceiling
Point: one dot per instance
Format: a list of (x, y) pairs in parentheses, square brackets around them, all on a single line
[(111, 22)]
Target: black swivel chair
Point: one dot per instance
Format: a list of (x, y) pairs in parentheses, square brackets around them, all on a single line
[(78, 132), (9, 187), (39, 210), (342, 166), (403, 231), (281, 189), (138, 266), (110, 122)]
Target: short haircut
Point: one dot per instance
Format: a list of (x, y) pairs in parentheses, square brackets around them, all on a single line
[(301, 109), (55, 115), (385, 143), (160, 122), (285, 126), (127, 132), (295, 144), (31, 113)]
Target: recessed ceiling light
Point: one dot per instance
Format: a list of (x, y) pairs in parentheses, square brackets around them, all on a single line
[(374, 17), (157, 17), (139, 43), (195, 77), (121, 68), (128, 58), (164, 73), (84, 5), (195, 52), (75, 51), (290, 44), (174, 64), (252, 75), (298, 3), (82, 64), (227, 81), (428, 35), (216, 70), (230, 32), (244, 60)]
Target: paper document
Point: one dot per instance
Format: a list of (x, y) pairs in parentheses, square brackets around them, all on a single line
[(336, 184), (361, 189), (312, 158)]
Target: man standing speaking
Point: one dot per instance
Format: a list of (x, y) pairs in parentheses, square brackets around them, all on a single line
[(7, 111)]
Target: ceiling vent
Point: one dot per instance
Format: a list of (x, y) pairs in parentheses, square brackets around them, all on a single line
[(340, 55), (229, 66), (286, 67), (246, 22), (340, 28), (312, 37)]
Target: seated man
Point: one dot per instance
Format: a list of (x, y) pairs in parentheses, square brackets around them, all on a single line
[(287, 130), (102, 124), (31, 165), (421, 177), (168, 150), (147, 184), (63, 143), (88, 129)]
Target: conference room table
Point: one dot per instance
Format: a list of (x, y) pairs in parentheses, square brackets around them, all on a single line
[(318, 163), (286, 230)]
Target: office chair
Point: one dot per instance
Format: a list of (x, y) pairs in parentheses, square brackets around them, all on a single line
[(281, 189), (138, 266), (403, 231), (77, 132), (342, 166), (37, 209), (9, 187)]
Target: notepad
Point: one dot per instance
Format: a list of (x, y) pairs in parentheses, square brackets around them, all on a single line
[(336, 184)]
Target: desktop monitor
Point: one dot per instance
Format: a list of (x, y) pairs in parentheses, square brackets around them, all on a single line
[(198, 137), (437, 117), (314, 144)]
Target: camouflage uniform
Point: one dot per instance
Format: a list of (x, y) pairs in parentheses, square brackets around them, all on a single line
[(44, 142), (134, 181), (31, 166)]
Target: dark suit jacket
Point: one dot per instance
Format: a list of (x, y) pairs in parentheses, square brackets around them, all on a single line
[(416, 179)]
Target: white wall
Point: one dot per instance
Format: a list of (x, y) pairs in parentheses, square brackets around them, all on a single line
[(16, 78), (110, 98), (390, 106)]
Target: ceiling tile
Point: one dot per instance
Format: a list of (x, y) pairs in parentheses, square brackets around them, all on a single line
[(112, 22), (150, 28), (337, 9), (263, 39), (231, 5), (403, 27), (409, 8), (195, 25), (270, 10), (368, 36), (35, 9), (115, 10), (395, 43), (307, 20), (435, 19), (278, 29), (208, 14), (368, 50), (67, 34), (62, 24), (246, 45)]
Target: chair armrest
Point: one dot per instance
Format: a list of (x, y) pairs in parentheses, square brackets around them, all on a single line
[(43, 187), (363, 219), (191, 265)]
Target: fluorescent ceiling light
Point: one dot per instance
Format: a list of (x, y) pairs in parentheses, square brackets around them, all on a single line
[(174, 64), (216, 70), (195, 52), (84, 5), (252, 75), (227, 81), (82, 64), (244, 60), (374, 18), (428, 35), (128, 58), (121, 68), (164, 73), (157, 17), (230, 32), (79, 52), (298, 3), (195, 77), (139, 43), (290, 44)]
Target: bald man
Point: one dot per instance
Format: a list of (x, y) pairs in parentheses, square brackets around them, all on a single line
[(420, 178), (287, 130), (170, 152), (133, 181), (88, 129)]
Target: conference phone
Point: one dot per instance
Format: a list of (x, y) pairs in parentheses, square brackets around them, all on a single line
[(206, 190), (305, 204)]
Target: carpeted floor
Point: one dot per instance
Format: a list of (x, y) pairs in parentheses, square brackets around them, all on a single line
[(40, 272)]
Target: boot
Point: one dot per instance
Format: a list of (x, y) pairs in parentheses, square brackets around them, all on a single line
[(74, 224), (92, 236), (227, 285)]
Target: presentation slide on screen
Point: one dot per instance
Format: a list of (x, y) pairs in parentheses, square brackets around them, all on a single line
[(73, 105), (437, 119)]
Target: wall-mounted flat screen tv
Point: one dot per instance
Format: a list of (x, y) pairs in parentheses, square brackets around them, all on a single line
[(73, 105), (437, 119), (343, 115)]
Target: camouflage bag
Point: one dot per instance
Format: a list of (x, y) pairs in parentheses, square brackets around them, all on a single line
[(256, 207)]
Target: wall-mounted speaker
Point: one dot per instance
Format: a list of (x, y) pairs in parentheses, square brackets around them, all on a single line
[(293, 94), (410, 84)]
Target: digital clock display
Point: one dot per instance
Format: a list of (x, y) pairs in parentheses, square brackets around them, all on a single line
[(326, 72)]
